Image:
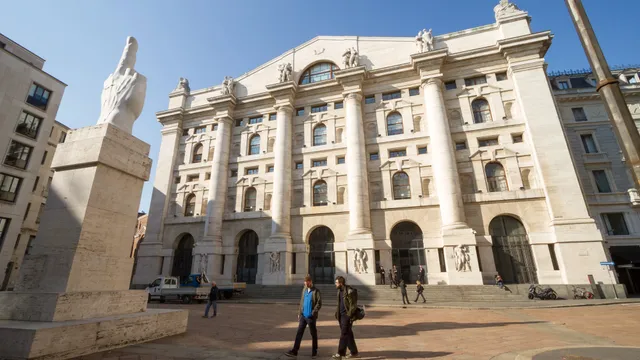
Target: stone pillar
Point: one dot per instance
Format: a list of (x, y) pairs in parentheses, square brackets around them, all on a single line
[(79, 267)]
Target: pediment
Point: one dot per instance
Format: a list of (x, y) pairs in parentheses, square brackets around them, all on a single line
[(309, 174), (467, 92), (394, 104), (183, 187), (399, 164), (488, 89), (242, 181), (258, 180), (254, 128), (325, 173)]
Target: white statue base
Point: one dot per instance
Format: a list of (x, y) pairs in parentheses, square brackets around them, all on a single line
[(361, 272), (73, 296), (275, 271), (470, 274)]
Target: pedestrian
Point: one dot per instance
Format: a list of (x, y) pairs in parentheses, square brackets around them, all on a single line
[(346, 315), (403, 290), (213, 301), (499, 281), (391, 278), (395, 276), (382, 274), (421, 275), (419, 290), (310, 304)]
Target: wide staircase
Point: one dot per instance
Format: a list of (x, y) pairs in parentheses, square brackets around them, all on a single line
[(383, 294)]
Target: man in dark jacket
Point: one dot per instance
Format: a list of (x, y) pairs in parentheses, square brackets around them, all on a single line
[(421, 275), (382, 273), (403, 290), (310, 304), (213, 301), (419, 290), (346, 315)]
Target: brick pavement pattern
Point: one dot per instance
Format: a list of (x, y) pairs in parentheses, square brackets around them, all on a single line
[(265, 331)]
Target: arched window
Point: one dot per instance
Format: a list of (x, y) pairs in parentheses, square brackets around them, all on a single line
[(250, 199), (394, 124), (496, 177), (318, 72), (320, 135), (254, 145), (401, 188), (481, 111), (190, 205), (197, 154), (320, 193)]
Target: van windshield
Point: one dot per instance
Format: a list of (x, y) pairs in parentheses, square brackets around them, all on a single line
[(156, 282)]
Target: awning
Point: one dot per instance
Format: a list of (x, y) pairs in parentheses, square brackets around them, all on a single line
[(622, 255)]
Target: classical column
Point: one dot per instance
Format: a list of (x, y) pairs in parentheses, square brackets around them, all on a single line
[(444, 165), (281, 198)]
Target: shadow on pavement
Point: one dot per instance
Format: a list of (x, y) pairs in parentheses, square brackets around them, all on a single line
[(401, 354)]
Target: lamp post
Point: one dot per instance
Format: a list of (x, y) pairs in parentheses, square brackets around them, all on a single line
[(609, 89)]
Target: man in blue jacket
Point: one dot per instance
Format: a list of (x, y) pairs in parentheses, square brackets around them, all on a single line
[(310, 304)]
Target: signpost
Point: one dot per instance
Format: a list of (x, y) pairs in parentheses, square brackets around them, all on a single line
[(610, 265)]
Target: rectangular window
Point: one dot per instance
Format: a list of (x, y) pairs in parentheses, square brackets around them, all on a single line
[(299, 165), (251, 171), (299, 111), (26, 212), (222, 265), (487, 142), (476, 80), (579, 114), (9, 187), (461, 145), (44, 157), (563, 85), (40, 212), (397, 153), (631, 79), (450, 85), (422, 150), (49, 180), (2, 45), (443, 264), (615, 224), (255, 120), (177, 180), (293, 263), (552, 254), (207, 176), (589, 143), (602, 183), (192, 178), (318, 108), (516, 138), (29, 244), (35, 184), (319, 162), (214, 127), (270, 168), (391, 95), (234, 173), (28, 125), (63, 137), (273, 116), (238, 122), (501, 76), (340, 160), (338, 105), (38, 97), (370, 99), (414, 91), (200, 130), (185, 132), (4, 227), (374, 156), (18, 155)]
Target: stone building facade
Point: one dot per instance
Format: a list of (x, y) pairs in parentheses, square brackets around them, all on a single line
[(445, 151), (29, 102)]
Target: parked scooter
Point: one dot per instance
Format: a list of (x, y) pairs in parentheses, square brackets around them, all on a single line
[(535, 291), (581, 293)]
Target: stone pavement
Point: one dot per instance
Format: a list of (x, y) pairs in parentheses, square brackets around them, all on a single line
[(265, 331)]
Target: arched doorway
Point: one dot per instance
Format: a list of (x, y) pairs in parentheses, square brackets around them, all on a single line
[(247, 267), (183, 257), (512, 251), (407, 250), (322, 264)]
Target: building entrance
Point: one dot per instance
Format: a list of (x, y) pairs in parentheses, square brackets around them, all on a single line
[(407, 251), (322, 264)]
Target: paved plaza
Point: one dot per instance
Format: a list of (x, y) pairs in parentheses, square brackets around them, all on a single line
[(265, 331)]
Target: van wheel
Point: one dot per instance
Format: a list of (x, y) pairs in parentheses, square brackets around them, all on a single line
[(162, 299), (186, 299)]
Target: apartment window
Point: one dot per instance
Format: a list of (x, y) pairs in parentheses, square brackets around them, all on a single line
[(177, 180), (516, 138), (318, 72), (487, 142), (4, 227), (9, 187), (320, 193), (38, 97), (394, 124), (579, 114), (214, 127), (320, 135), (481, 111), (602, 182), (250, 199), (450, 85), (589, 143), (234, 173), (2, 45), (563, 85), (18, 155), (374, 156), (397, 153), (338, 105), (401, 188), (192, 178), (552, 254), (391, 95), (207, 176), (299, 165), (318, 108), (35, 184), (254, 145), (615, 224), (201, 130), (496, 177), (28, 125), (270, 168), (190, 205), (422, 150), (29, 244), (299, 111), (340, 160), (443, 264), (26, 212), (49, 180), (40, 212), (255, 120), (461, 145), (501, 76), (185, 132), (319, 162), (197, 153), (273, 116), (63, 137), (476, 80), (414, 91), (238, 122), (370, 99), (251, 171), (44, 157)]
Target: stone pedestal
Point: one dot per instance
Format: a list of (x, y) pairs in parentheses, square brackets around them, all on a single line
[(281, 275), (466, 237), (73, 296)]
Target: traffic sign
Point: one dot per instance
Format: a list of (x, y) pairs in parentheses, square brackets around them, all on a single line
[(609, 263)]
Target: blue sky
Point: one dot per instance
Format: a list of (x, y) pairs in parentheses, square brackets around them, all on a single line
[(205, 40)]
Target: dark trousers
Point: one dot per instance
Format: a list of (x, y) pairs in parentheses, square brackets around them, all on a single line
[(420, 294), (421, 279), (382, 279), (302, 324), (405, 296), (346, 336)]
